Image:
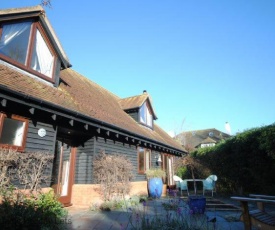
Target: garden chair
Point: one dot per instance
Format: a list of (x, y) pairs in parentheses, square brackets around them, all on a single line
[(181, 184), (210, 184)]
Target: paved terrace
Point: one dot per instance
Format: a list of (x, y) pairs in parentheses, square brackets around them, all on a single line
[(220, 214)]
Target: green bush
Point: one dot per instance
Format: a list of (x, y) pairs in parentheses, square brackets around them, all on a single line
[(17, 211), (183, 172), (244, 163), (117, 204)]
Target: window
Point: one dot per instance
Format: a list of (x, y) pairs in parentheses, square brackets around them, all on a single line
[(144, 160), (24, 44), (207, 145), (146, 116), (13, 131), (42, 59), (211, 134)]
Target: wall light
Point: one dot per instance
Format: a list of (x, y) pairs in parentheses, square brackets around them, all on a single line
[(158, 159)]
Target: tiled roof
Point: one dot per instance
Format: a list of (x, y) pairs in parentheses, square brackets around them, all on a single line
[(192, 139), (133, 102), (136, 102), (77, 93)]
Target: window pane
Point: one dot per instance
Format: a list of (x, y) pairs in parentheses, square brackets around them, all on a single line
[(14, 41), (147, 159), (149, 117), (12, 132), (141, 161), (143, 114), (42, 58)]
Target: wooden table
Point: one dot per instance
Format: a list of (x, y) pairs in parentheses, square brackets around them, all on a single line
[(256, 217)]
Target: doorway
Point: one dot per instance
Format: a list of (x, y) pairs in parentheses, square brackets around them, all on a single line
[(168, 167), (64, 167)]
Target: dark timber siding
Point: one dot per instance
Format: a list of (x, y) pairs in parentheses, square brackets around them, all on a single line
[(134, 115), (83, 167), (112, 147), (84, 159), (35, 143)]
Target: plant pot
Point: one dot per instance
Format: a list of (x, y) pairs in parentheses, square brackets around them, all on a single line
[(196, 204), (155, 187)]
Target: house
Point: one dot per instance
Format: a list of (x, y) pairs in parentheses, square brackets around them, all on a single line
[(47, 106), (201, 138)]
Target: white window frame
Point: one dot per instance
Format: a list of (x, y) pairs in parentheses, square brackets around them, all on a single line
[(146, 115)]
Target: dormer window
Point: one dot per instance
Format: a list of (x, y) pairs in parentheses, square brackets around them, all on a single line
[(24, 44), (145, 115)]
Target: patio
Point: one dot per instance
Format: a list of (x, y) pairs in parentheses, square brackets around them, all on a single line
[(218, 215)]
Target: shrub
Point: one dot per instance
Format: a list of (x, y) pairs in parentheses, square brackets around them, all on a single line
[(118, 204), (244, 163), (174, 214), (25, 207), (43, 211), (25, 169), (155, 173), (113, 173)]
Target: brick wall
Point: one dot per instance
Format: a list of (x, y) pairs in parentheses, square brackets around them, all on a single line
[(87, 194)]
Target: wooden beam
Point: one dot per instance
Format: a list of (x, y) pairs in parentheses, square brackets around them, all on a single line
[(133, 140), (54, 117), (127, 138), (117, 135), (31, 110), (98, 130), (86, 126), (71, 122), (108, 133), (4, 102)]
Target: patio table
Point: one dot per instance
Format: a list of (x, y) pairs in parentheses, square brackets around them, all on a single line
[(196, 180)]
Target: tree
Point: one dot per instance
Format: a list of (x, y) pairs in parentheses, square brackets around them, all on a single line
[(188, 162), (46, 3)]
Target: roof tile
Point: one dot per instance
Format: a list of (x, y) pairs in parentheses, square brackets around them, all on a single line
[(77, 93)]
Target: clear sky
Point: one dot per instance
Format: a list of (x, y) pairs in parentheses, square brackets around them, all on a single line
[(204, 62)]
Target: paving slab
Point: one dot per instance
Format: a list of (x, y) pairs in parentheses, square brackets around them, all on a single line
[(84, 219)]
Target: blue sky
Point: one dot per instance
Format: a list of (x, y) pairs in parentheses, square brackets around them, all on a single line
[(204, 62)]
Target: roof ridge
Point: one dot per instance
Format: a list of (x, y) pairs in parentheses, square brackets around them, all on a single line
[(20, 9), (134, 96)]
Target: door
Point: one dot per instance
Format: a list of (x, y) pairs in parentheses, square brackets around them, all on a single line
[(64, 171), (169, 170), (168, 167)]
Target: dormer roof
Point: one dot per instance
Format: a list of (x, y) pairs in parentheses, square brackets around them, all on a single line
[(37, 12), (135, 102)]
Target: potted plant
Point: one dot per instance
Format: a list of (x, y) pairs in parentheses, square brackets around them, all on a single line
[(195, 202), (155, 183)]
